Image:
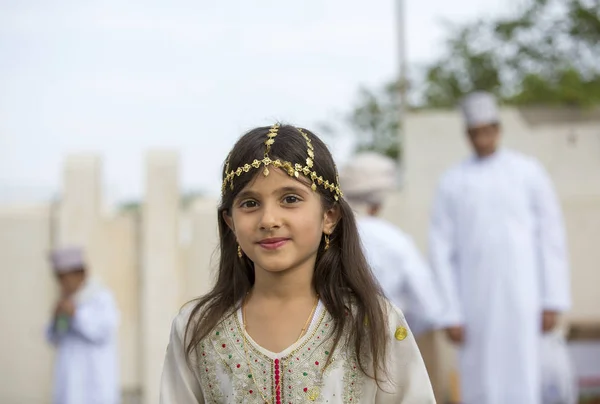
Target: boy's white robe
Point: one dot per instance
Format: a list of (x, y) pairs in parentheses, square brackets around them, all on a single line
[(86, 368), (498, 251), (401, 271)]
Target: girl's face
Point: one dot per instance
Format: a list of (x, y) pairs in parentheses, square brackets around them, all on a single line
[(279, 222)]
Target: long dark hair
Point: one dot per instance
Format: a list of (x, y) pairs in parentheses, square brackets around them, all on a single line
[(342, 277)]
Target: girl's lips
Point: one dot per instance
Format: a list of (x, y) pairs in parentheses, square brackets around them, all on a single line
[(273, 243)]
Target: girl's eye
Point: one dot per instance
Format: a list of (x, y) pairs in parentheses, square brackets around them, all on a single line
[(291, 199), (248, 204)]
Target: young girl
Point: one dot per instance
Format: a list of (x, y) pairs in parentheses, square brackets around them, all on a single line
[(296, 315)]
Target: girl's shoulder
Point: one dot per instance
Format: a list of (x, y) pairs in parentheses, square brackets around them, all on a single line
[(182, 318), (189, 315), (396, 322)]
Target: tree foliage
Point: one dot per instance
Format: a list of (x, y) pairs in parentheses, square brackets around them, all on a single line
[(186, 199), (547, 54), (375, 120)]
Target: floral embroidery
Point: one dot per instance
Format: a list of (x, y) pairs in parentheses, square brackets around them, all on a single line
[(353, 380), (208, 375), (300, 372), (301, 369)]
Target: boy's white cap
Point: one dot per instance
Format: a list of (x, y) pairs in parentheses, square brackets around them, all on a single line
[(67, 259), (368, 177), (480, 108)]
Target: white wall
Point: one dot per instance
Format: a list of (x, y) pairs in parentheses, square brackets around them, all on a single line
[(81, 199), (26, 298), (113, 255), (161, 275), (203, 257)]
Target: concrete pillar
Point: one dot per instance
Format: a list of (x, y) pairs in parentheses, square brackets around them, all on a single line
[(26, 299), (114, 253), (161, 276), (81, 199), (203, 258)]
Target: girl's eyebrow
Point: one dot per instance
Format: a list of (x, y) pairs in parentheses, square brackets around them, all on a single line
[(290, 189), (246, 194), (283, 190)]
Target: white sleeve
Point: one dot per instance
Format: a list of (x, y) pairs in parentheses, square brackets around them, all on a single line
[(96, 320), (551, 243), (51, 335), (408, 381), (441, 251), (423, 304), (179, 384)]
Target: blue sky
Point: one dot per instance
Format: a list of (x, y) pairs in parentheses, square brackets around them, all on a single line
[(120, 78)]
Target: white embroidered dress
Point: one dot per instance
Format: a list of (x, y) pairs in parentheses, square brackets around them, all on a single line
[(224, 371)]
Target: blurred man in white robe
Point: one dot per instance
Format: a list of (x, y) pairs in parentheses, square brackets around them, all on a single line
[(84, 332), (395, 260), (499, 253)]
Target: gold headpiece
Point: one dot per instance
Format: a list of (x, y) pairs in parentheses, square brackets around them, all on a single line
[(293, 170)]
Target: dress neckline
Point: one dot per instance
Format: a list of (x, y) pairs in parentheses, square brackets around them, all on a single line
[(315, 322)]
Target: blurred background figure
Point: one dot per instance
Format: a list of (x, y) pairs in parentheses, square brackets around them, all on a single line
[(559, 383), (498, 251), (397, 263), (83, 330)]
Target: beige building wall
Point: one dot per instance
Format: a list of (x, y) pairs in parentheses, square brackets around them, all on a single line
[(583, 230), (81, 199), (161, 276), (26, 298), (203, 260), (114, 258)]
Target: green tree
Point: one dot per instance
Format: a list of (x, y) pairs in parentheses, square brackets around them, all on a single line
[(547, 54), (375, 120), (465, 66), (187, 198)]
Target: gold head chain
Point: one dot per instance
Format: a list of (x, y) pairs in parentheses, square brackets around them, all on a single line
[(293, 170)]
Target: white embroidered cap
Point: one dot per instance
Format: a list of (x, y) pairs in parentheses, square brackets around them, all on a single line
[(67, 259), (480, 108), (368, 177)]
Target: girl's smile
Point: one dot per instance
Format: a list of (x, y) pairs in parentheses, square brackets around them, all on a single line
[(273, 243)]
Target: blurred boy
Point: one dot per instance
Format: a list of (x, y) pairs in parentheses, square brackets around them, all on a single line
[(394, 258), (499, 254), (84, 332)]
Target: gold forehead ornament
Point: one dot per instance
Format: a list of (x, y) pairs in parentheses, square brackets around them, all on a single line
[(293, 170)]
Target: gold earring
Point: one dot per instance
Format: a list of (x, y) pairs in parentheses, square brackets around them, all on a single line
[(326, 242), (240, 254)]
